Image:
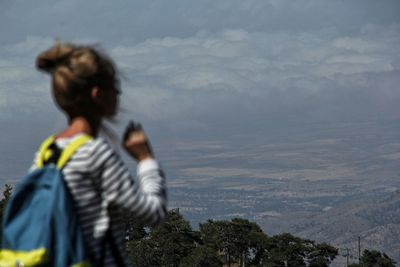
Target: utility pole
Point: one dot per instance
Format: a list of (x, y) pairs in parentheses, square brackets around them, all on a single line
[(347, 256), (359, 249)]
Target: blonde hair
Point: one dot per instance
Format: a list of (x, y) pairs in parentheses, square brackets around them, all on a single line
[(75, 70)]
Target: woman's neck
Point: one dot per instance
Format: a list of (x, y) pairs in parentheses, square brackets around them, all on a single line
[(81, 125)]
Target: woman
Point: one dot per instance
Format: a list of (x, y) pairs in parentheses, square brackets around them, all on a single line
[(85, 87)]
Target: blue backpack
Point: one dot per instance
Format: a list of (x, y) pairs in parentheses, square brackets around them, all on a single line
[(40, 227)]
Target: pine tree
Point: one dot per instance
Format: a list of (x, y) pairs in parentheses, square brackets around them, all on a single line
[(3, 202), (374, 258)]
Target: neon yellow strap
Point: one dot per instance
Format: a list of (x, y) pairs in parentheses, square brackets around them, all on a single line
[(42, 151), (82, 264), (45, 153), (11, 258), (22, 258), (70, 150)]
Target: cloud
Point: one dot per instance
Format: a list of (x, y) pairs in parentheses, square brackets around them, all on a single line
[(22, 87), (140, 20), (262, 73), (234, 75)]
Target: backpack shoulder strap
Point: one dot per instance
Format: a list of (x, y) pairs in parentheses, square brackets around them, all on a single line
[(45, 153), (71, 149)]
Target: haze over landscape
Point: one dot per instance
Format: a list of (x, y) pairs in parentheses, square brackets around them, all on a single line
[(282, 112)]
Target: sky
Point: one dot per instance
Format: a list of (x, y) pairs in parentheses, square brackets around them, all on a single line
[(197, 68)]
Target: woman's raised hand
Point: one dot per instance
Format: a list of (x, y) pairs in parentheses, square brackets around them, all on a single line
[(136, 143)]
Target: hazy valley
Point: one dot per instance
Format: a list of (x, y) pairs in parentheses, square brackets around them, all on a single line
[(329, 183)]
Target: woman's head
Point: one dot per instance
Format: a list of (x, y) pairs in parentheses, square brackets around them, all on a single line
[(85, 81)]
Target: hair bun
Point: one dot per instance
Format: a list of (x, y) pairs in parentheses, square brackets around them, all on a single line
[(50, 59)]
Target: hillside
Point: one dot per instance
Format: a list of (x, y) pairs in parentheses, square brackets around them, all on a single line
[(375, 220)]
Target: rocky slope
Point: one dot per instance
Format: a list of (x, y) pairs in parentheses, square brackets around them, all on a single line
[(375, 220)]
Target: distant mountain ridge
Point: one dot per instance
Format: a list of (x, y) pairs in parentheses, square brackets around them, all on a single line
[(375, 220)]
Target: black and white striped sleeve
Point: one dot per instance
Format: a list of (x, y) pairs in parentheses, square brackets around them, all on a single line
[(144, 197)]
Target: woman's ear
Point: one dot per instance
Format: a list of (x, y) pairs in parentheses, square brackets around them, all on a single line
[(96, 95)]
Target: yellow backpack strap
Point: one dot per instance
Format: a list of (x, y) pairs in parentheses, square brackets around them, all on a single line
[(43, 154), (35, 257), (71, 149)]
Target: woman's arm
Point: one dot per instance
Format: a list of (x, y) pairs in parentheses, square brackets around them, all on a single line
[(145, 197)]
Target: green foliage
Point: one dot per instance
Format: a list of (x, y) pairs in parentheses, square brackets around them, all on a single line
[(288, 250), (202, 256), (373, 258), (165, 245), (6, 196), (3, 202), (321, 255), (134, 229), (237, 242)]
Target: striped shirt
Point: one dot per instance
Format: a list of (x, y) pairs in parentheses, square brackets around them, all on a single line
[(104, 192)]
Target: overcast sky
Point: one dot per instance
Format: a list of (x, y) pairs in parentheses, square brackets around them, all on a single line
[(192, 65)]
